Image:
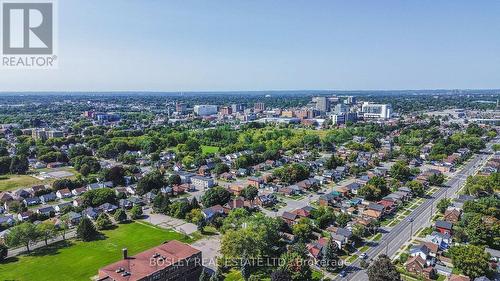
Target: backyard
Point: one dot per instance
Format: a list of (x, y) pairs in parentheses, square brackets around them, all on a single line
[(76, 260)]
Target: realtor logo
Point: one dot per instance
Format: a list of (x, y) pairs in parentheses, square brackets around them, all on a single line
[(28, 34)]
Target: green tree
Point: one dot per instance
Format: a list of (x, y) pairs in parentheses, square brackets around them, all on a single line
[(86, 230), (19, 165), (153, 180), (250, 192), (136, 212), (47, 231), (443, 204), (174, 180), (4, 250), (382, 269), (436, 179), (161, 204), (297, 266), (292, 173), (471, 260), (330, 257), (103, 222), (98, 197), (400, 171), (416, 187), (280, 275), (215, 196), (120, 215), (23, 234), (221, 168), (302, 230), (4, 165)]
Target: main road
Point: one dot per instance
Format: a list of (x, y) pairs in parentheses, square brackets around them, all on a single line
[(392, 241)]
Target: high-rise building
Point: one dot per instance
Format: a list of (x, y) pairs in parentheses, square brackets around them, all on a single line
[(205, 109), (341, 108), (237, 107), (322, 104), (377, 111), (259, 106), (342, 118), (180, 108), (350, 100), (226, 110)]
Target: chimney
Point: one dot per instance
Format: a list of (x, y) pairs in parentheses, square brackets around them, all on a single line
[(125, 253)]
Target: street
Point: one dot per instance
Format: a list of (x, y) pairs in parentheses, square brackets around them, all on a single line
[(420, 217)]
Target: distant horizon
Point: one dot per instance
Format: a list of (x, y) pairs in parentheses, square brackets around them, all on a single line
[(185, 46), (250, 91)]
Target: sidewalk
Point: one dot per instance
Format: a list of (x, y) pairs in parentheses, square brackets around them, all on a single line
[(21, 250)]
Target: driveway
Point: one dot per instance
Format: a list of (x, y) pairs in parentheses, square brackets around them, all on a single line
[(210, 247)]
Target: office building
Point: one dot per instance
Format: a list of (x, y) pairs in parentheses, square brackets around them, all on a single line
[(180, 108), (350, 100), (376, 111), (259, 106), (205, 109), (226, 110), (237, 107), (322, 104)]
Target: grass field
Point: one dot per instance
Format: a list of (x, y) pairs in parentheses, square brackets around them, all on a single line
[(76, 260), (10, 182), (205, 149)]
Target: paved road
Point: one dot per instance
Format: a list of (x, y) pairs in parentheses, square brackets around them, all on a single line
[(402, 232)]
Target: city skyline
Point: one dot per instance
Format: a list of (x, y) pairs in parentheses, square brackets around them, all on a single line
[(236, 46)]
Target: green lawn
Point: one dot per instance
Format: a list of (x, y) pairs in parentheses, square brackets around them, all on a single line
[(377, 237), (76, 260), (352, 258), (364, 249), (206, 149), (10, 182)]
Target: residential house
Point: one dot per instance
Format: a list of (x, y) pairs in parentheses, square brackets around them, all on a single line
[(91, 213), (417, 265), (108, 207), (125, 204), (212, 212), (444, 226), (31, 201), (452, 215), (78, 191), (266, 200), (64, 193), (290, 190), (24, 216), (442, 240), (7, 220), (255, 181), (49, 197), (48, 211), (354, 187), (21, 194), (60, 207), (329, 198), (74, 218), (290, 218)]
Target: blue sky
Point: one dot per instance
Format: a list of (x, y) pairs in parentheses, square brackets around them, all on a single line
[(157, 45)]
